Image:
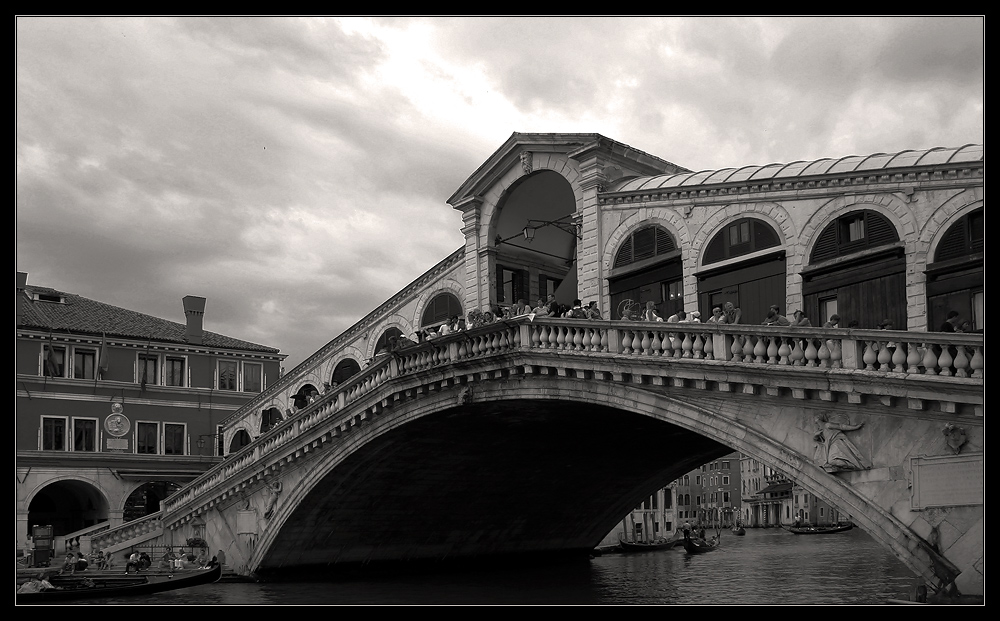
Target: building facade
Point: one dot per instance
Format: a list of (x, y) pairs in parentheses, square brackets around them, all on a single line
[(114, 409)]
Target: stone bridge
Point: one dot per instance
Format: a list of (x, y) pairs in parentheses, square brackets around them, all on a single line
[(537, 436)]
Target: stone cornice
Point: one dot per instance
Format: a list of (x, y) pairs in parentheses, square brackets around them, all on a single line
[(903, 179)]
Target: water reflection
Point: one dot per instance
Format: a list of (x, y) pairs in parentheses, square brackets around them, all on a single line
[(766, 567)]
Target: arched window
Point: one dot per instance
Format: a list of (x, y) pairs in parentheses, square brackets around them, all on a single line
[(442, 307), (304, 396), (241, 439), (645, 243), (388, 339), (858, 230), (741, 237), (269, 419), (963, 238), (344, 369)]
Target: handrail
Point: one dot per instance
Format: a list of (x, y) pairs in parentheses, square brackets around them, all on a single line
[(885, 353)]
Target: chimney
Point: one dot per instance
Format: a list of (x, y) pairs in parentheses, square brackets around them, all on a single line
[(194, 311), (22, 282)]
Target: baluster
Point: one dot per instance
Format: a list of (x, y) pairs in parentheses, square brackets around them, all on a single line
[(978, 362), (945, 360), (578, 339), (797, 357), (811, 353), (656, 345), (543, 338), (772, 350), (687, 345), (930, 360), (823, 354), (709, 347), (645, 343), (554, 335), (836, 354), (736, 349), (913, 358), (676, 345), (899, 358), (961, 362), (636, 342), (870, 357), (626, 341), (516, 339), (604, 339), (495, 343), (748, 347), (595, 340), (884, 356), (699, 346), (784, 351)]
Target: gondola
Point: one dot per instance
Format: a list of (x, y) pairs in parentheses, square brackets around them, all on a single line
[(818, 530), (697, 545), (739, 531), (638, 546), (80, 586)]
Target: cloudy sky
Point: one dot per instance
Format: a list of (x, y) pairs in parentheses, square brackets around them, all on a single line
[(294, 171)]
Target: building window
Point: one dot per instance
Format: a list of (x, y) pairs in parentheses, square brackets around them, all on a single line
[(853, 232), (84, 434), (697, 480), (822, 511), (175, 371), (173, 439), (253, 377), (84, 363), (725, 465), (512, 285), (146, 369), (646, 243), (53, 361), (228, 375), (739, 238), (53, 433), (145, 438), (441, 308), (725, 480), (725, 496)]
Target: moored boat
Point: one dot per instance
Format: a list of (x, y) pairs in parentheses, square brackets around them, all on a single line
[(819, 530), (79, 586), (639, 546)]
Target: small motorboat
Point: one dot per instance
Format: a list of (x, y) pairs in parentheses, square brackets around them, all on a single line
[(80, 586)]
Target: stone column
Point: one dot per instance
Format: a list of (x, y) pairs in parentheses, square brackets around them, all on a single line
[(589, 270)]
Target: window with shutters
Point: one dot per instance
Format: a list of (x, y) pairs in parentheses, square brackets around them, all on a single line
[(963, 238), (441, 308), (741, 237), (858, 230), (646, 243)]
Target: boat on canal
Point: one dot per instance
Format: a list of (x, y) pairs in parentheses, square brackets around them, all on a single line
[(80, 586), (819, 530), (697, 545), (640, 546)]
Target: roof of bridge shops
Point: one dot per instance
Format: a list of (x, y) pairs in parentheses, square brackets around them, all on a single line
[(825, 166), (71, 313)]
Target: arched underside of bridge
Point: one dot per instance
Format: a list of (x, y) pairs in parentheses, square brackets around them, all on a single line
[(537, 463), (482, 479)]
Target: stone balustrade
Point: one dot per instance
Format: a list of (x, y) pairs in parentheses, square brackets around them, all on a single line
[(872, 353), (110, 538)]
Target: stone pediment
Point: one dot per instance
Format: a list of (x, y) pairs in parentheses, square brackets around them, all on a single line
[(518, 150)]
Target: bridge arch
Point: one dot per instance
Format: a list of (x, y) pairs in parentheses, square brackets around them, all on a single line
[(447, 287), (598, 411)]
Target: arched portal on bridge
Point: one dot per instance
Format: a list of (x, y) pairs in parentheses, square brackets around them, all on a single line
[(535, 237), (240, 439), (68, 505), (955, 278), (269, 419)]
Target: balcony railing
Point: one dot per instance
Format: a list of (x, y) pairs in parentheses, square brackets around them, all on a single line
[(872, 353)]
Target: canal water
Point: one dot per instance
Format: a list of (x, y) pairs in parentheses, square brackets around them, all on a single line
[(766, 567)]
